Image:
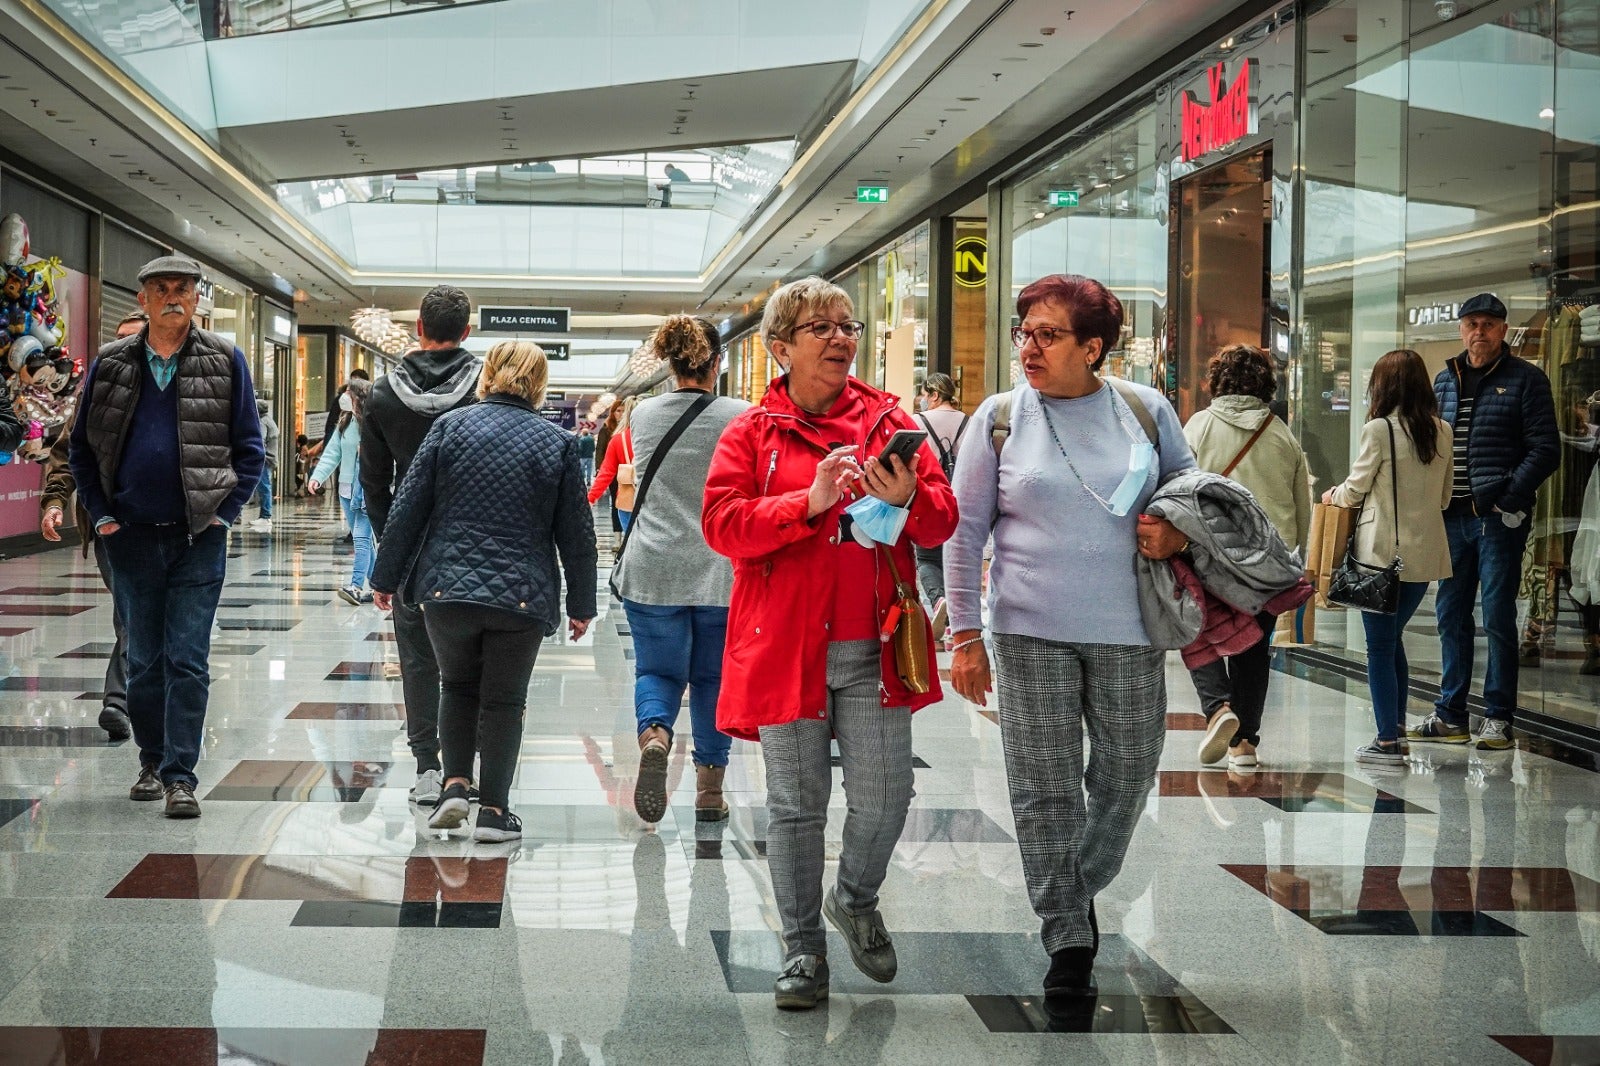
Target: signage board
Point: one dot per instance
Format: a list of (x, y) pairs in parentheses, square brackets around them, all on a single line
[(556, 351), (554, 396), (524, 319), (316, 425), (972, 261), (1063, 197), (872, 194), (564, 416), (1230, 117)]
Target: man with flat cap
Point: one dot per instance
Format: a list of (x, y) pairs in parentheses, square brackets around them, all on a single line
[(166, 450), (1506, 444)]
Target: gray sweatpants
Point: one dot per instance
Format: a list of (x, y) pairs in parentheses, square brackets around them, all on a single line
[(1047, 692), (875, 753)]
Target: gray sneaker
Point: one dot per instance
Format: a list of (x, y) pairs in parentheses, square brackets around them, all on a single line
[(425, 793), (1493, 735), (870, 947), (802, 984)]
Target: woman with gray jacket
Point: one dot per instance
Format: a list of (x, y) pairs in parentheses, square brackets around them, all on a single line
[(1405, 459), (1239, 437), (674, 588)]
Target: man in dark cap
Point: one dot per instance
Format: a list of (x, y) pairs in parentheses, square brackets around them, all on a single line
[(1505, 445), (165, 452)]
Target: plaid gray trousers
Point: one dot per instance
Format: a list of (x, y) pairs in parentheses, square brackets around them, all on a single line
[(875, 753), (1047, 692)]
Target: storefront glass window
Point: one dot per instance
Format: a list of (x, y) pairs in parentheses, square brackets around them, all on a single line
[(1099, 210), (899, 316)]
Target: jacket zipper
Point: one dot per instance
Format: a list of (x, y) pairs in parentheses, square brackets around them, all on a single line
[(772, 467), (1455, 368)]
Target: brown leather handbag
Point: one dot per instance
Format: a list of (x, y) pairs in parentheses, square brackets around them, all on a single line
[(907, 626)]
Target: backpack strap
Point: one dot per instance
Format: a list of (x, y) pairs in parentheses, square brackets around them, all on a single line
[(944, 453), (1002, 422), (1147, 422)]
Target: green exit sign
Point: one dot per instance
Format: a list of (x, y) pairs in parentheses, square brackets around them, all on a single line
[(1063, 197), (872, 194)]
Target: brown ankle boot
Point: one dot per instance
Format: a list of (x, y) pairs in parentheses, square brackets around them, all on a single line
[(709, 805), (650, 790)]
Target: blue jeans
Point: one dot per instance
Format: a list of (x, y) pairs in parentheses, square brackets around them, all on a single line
[(623, 518), (1483, 552), (676, 648), (263, 493), (166, 586), (1388, 673), (361, 534)]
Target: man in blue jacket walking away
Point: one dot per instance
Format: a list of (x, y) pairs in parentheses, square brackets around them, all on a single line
[(1506, 445)]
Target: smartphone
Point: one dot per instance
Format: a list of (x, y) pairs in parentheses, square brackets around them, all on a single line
[(904, 443)]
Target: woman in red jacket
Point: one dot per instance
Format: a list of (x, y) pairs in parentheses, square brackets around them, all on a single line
[(619, 451), (804, 662)]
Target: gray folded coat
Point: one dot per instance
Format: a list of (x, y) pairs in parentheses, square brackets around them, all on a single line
[(1238, 555)]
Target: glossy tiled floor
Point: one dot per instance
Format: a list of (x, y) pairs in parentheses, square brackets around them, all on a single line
[(1312, 912)]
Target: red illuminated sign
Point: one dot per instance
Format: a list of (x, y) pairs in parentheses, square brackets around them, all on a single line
[(1229, 118)]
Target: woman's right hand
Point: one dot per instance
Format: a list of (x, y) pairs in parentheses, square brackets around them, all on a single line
[(834, 474), (314, 487), (969, 670)]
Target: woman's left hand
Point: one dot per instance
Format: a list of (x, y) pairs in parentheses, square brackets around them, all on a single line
[(1158, 538), (893, 483)]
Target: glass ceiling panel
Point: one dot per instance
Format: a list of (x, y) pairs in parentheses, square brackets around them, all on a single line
[(650, 214)]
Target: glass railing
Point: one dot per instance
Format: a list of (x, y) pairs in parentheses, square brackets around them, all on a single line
[(135, 25)]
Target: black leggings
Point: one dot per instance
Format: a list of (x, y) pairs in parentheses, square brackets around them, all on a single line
[(1241, 682), (486, 657)]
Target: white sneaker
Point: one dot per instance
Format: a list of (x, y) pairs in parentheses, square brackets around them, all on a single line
[(1242, 757), (941, 617), (425, 793), (1214, 745), (262, 525)]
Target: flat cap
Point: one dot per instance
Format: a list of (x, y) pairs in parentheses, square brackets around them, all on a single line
[(170, 266), (1485, 303)]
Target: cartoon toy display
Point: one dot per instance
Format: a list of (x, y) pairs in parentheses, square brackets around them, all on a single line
[(37, 373)]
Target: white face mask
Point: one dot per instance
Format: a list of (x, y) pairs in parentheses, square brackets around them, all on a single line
[(345, 402)]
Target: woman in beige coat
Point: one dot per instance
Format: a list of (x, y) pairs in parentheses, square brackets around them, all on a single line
[(1416, 469), (1239, 437)]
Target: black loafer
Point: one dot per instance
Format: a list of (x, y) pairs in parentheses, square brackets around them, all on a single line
[(114, 720), (1071, 974), (802, 984), (148, 787)]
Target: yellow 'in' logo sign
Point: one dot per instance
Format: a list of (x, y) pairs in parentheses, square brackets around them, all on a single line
[(972, 261)]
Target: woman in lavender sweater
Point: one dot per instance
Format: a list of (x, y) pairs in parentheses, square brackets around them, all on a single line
[(1061, 494)]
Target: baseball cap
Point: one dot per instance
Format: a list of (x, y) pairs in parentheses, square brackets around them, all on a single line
[(1485, 303)]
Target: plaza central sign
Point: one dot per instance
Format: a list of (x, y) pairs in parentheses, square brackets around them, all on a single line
[(523, 319), (1229, 118)]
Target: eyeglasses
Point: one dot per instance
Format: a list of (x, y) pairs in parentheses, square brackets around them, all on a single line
[(824, 330), (1042, 336)]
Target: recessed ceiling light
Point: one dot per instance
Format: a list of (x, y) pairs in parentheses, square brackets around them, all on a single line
[(1014, 59), (966, 99), (1548, 112), (919, 139), (1038, 214), (1032, 44), (955, 109)]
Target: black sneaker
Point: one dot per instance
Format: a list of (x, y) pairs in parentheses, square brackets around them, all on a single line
[(802, 984), (114, 720), (495, 828), (452, 809)]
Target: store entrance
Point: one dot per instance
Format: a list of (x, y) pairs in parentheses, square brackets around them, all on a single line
[(1223, 235)]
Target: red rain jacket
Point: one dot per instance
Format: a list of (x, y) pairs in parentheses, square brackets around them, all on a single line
[(775, 666)]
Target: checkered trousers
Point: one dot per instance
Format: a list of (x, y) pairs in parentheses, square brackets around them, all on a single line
[(1048, 691)]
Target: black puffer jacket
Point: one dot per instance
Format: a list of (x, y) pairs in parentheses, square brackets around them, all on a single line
[(493, 494), (1514, 444)]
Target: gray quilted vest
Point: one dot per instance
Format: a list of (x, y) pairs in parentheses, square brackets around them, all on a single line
[(205, 422)]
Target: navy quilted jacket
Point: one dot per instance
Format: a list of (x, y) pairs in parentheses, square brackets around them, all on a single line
[(494, 493), (1514, 444)]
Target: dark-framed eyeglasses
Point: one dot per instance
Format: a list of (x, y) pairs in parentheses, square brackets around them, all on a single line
[(1042, 336), (824, 330)]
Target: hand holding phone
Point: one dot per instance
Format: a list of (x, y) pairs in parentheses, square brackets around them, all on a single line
[(904, 443), (895, 483)]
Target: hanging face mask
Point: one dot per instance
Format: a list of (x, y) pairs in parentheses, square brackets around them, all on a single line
[(874, 522), (1140, 458), (345, 402)]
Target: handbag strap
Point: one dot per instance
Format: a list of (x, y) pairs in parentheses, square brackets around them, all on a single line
[(693, 412), (1251, 443), (1394, 485), (900, 587)]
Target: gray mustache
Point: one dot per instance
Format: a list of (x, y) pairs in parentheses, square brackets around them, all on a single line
[(172, 309)]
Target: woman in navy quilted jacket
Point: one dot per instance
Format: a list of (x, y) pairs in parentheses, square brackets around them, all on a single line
[(493, 497)]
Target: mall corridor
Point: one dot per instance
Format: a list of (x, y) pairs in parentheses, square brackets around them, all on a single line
[(1311, 911)]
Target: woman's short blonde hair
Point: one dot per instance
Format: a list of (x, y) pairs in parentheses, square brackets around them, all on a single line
[(515, 367), (789, 305)]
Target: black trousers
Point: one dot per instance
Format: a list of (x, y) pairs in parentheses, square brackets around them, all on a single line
[(1241, 682), (419, 679), (486, 657)]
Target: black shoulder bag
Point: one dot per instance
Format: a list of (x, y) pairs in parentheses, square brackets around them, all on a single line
[(1373, 589), (693, 412)]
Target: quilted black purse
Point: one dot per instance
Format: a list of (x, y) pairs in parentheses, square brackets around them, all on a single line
[(1373, 589)]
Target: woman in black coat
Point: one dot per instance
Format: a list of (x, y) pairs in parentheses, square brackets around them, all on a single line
[(494, 495)]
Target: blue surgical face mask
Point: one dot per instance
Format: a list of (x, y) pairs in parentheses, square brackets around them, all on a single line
[(876, 521), (1140, 458)]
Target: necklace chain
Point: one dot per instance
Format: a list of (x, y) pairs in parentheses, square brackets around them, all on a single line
[(1051, 426)]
